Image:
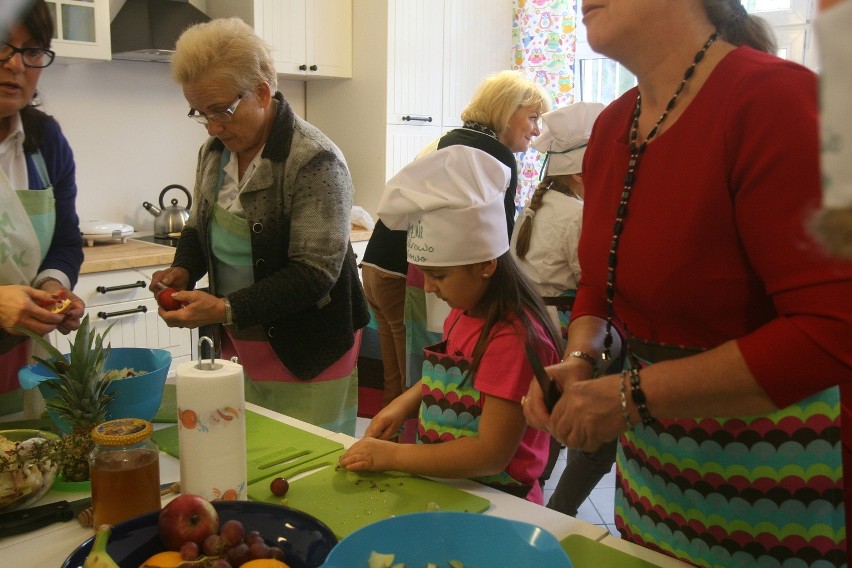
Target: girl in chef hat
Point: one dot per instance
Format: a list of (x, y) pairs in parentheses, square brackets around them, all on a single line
[(470, 422)]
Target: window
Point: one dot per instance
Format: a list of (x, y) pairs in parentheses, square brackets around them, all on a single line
[(603, 80)]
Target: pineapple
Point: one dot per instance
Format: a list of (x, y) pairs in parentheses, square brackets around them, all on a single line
[(80, 399)]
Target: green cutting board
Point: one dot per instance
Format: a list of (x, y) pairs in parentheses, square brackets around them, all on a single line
[(347, 501), (271, 446), (587, 553)]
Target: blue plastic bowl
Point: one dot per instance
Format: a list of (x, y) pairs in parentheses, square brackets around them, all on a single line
[(135, 397), (440, 536)]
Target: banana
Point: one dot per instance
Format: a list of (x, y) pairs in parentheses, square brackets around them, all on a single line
[(98, 557)]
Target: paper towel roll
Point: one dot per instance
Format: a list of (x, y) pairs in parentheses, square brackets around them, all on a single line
[(212, 430)]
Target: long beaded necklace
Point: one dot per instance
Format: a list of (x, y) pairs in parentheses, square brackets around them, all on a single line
[(636, 152)]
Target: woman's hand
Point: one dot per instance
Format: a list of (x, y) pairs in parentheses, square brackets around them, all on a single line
[(74, 313), (587, 414), (177, 278), (199, 308), (22, 307)]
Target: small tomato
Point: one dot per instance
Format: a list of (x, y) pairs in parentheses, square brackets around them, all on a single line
[(166, 301)]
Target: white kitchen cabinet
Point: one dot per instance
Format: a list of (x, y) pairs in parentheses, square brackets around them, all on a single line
[(311, 39), (122, 298), (82, 30), (416, 64)]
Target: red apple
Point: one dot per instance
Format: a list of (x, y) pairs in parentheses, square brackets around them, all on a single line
[(187, 518), (166, 301)]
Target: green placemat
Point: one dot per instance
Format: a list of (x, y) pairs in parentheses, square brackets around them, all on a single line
[(587, 553), (43, 423), (168, 408)]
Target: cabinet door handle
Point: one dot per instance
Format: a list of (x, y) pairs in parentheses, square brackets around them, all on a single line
[(303, 67), (313, 68), (420, 118), (108, 289), (137, 310)]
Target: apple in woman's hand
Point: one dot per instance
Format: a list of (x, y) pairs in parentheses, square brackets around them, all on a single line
[(166, 301), (187, 518)]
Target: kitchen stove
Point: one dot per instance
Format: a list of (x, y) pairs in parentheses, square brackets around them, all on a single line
[(158, 240)]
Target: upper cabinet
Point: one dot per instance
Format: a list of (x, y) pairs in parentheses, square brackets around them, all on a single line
[(416, 65), (82, 29), (311, 39)]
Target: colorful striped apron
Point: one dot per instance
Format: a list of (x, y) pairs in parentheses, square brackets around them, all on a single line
[(757, 491), (450, 408)]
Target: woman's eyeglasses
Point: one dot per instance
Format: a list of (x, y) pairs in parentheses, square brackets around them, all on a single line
[(31, 56), (220, 117)]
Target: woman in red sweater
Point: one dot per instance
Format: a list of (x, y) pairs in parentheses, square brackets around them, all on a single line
[(696, 258)]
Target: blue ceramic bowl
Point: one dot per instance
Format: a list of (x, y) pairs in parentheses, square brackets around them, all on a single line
[(135, 397), (305, 540), (440, 536)]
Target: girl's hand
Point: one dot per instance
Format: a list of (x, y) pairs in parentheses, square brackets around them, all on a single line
[(369, 454), (386, 424)]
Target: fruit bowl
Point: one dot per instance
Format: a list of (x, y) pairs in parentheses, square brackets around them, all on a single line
[(28, 464), (306, 540), (417, 539), (135, 397)]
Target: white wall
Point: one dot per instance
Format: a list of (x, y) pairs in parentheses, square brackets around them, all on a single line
[(126, 122)]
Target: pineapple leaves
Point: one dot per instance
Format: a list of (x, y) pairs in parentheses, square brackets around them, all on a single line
[(80, 387)]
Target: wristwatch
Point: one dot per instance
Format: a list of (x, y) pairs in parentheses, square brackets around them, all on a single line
[(229, 315)]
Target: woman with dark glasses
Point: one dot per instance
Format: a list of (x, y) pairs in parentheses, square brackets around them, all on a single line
[(40, 246)]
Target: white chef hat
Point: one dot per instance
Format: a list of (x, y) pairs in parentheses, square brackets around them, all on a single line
[(451, 202), (564, 136)]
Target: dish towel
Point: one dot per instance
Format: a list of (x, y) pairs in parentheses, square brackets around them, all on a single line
[(212, 429)]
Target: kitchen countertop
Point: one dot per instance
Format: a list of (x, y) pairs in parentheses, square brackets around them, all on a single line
[(50, 545), (106, 255), (115, 255)]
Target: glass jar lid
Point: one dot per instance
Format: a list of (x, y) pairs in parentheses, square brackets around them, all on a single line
[(122, 432)]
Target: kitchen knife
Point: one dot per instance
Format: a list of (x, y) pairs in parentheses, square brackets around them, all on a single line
[(25, 520), (548, 385)]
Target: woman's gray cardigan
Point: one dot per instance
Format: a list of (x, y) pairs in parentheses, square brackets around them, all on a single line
[(306, 293)]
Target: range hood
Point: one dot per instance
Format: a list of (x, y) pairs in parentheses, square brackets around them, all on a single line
[(146, 30)]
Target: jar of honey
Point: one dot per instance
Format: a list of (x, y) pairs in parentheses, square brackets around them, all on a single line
[(124, 468)]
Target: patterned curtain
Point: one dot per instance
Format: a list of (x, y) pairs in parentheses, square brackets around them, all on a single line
[(544, 43)]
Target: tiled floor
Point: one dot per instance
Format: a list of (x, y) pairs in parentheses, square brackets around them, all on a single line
[(598, 508)]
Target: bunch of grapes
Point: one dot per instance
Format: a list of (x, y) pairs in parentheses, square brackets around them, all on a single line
[(232, 547)]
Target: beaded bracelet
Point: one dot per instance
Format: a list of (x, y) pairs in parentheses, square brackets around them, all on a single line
[(639, 397), (623, 390)]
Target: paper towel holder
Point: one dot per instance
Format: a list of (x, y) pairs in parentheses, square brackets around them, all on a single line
[(203, 365)]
